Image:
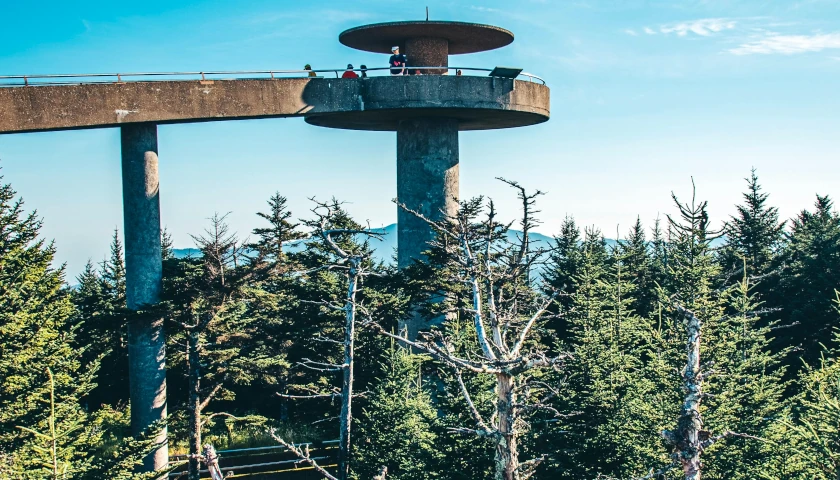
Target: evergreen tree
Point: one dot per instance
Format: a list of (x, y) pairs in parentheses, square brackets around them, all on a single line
[(102, 314), (607, 433), (204, 299), (564, 262), (166, 246), (738, 376), (399, 426), (754, 234), (44, 375), (816, 420), (810, 272), (747, 396), (280, 232), (36, 333), (634, 254)]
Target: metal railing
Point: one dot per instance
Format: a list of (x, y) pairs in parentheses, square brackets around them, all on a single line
[(110, 78), (261, 468)]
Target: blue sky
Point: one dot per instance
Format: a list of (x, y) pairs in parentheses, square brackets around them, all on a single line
[(644, 95)]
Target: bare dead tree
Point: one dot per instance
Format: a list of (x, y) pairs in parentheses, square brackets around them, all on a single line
[(504, 309), (355, 265), (690, 439)]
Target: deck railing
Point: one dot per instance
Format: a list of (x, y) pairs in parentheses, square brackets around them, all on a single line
[(103, 78)]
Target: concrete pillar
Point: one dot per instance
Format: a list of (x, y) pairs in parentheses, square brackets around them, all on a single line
[(427, 182), (428, 52), (144, 272)]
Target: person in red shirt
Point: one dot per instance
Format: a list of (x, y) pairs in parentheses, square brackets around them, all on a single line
[(349, 73)]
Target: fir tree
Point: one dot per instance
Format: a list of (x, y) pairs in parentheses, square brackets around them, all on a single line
[(816, 419), (564, 263), (102, 314), (810, 272), (280, 232), (204, 299), (399, 426), (166, 246), (636, 258), (36, 333), (755, 234)]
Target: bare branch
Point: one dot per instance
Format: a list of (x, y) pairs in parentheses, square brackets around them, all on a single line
[(524, 333), (302, 454), (474, 411)]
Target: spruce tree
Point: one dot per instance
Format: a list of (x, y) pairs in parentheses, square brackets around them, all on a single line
[(204, 299), (735, 386), (36, 334), (754, 234), (605, 433), (747, 396), (634, 254), (810, 271), (399, 426), (815, 420), (102, 314), (271, 240)]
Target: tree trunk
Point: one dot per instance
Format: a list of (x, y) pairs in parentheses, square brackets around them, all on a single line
[(194, 404), (507, 457), (690, 424), (346, 417)]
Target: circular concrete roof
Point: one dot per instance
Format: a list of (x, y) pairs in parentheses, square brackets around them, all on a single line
[(463, 37)]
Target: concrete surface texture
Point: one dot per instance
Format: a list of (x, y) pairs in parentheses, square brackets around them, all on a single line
[(427, 181), (478, 102), (143, 277), (462, 37)]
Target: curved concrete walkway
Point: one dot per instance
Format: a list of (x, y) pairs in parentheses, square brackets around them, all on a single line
[(477, 102)]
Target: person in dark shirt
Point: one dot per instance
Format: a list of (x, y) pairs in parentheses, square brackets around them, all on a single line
[(397, 62), (349, 73), (363, 68)]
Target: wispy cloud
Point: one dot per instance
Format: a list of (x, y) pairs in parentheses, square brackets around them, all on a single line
[(703, 27), (631, 32), (789, 44), (650, 31), (485, 9)]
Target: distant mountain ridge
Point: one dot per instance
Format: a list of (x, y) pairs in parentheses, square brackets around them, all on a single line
[(385, 248)]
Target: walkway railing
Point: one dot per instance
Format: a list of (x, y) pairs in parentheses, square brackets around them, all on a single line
[(262, 461), (103, 78)]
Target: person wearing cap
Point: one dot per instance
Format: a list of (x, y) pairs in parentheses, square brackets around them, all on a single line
[(309, 68), (349, 73), (397, 62), (363, 69)]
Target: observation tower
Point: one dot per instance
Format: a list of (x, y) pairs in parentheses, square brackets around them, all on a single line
[(429, 110)]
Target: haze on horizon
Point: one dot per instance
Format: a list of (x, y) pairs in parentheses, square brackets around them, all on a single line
[(644, 97)]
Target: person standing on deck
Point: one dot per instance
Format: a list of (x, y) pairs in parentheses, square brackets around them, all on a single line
[(397, 62), (349, 73)]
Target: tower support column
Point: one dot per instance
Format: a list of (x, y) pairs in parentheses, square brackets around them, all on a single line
[(427, 182), (144, 273)]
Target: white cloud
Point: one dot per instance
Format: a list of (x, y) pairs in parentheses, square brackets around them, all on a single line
[(650, 31), (703, 27), (789, 44), (630, 31)]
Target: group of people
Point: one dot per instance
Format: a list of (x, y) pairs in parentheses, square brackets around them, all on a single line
[(398, 64)]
